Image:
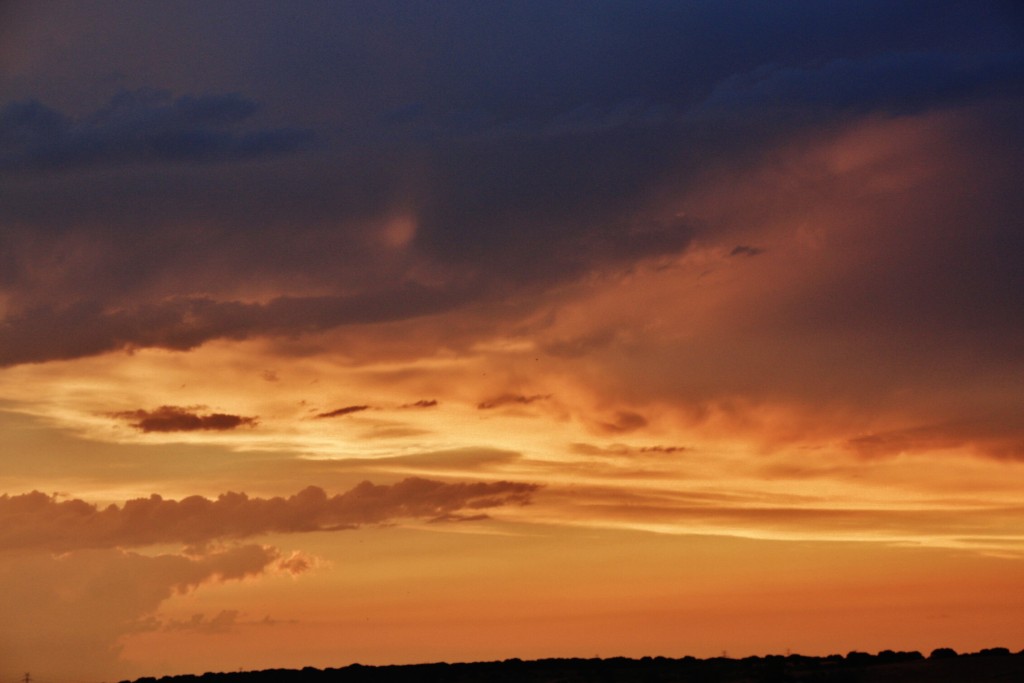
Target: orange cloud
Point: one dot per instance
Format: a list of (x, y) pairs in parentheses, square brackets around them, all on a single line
[(177, 419), (510, 399), (38, 521), (424, 403), (57, 599), (625, 421), (347, 410)]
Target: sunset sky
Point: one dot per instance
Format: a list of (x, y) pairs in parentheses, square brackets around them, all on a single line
[(392, 332)]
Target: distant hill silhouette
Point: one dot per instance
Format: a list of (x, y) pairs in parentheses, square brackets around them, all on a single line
[(942, 666)]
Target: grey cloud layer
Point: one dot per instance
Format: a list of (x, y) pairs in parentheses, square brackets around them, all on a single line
[(142, 126), (37, 521), (898, 82), (525, 158), (38, 334)]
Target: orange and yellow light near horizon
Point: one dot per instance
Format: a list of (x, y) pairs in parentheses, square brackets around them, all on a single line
[(363, 335)]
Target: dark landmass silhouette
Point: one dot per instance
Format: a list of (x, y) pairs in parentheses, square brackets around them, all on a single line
[(943, 665)]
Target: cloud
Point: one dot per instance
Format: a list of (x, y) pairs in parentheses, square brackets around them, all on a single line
[(663, 449), (527, 166), (889, 301), (57, 599), (297, 563), (37, 521), (744, 250), (177, 419), (510, 399), (454, 459), (897, 82), (423, 403), (765, 513), (451, 517), (36, 335), (998, 436), (347, 410), (625, 421), (223, 622), (508, 196), (579, 346), (140, 126)]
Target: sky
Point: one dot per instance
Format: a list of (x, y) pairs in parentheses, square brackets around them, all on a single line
[(402, 332)]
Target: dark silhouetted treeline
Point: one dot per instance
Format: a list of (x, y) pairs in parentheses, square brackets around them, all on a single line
[(943, 665)]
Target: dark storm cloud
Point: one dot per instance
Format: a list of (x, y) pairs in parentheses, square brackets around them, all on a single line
[(178, 419), (898, 82), (531, 144), (537, 59), (39, 334), (539, 210), (38, 521), (141, 126), (956, 275)]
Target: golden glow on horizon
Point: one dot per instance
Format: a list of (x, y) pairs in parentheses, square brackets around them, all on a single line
[(672, 477), (584, 592)]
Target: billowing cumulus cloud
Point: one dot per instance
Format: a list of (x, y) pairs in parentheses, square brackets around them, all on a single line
[(49, 598), (38, 521), (177, 419)]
